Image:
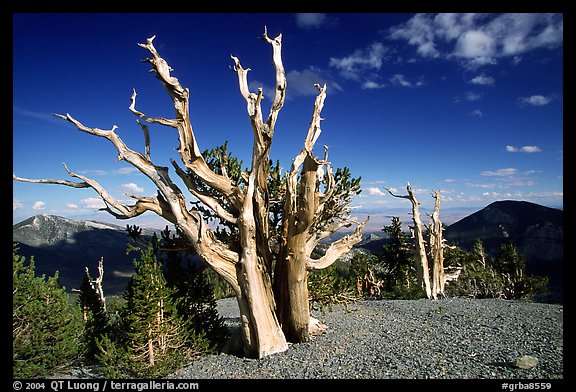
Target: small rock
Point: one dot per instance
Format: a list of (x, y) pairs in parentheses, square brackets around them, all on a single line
[(526, 362)]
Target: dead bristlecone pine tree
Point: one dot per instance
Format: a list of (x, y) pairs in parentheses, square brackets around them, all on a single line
[(420, 248), (436, 243), (274, 305)]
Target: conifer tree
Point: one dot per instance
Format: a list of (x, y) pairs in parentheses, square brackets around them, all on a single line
[(156, 340), (45, 329), (397, 254)]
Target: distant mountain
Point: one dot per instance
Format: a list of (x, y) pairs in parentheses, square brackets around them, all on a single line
[(68, 246), (373, 242), (536, 230)]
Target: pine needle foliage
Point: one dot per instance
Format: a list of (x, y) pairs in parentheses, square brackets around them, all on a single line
[(45, 328), (155, 340)]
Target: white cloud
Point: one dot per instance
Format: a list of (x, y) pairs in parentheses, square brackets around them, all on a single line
[(419, 32), (500, 172), (371, 85), (530, 149), (71, 205), (93, 202), (311, 20), (479, 39), (375, 191), (16, 205), (131, 188), (477, 113), (362, 60), (526, 149), (482, 80), (535, 100), (39, 205), (475, 46)]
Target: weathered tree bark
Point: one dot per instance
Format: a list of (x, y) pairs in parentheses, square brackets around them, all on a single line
[(420, 249), (246, 266), (302, 213), (436, 242)]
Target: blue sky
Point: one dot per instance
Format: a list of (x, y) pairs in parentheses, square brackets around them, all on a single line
[(467, 104)]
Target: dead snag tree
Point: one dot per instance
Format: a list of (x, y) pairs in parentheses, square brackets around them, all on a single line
[(436, 243), (248, 265), (420, 249)]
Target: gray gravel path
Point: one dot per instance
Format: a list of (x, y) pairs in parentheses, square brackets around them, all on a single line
[(445, 339)]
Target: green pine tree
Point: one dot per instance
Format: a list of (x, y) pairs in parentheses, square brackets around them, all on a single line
[(156, 339), (193, 294), (45, 328), (398, 256)]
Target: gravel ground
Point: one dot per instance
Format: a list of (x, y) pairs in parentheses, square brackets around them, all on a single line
[(445, 339)]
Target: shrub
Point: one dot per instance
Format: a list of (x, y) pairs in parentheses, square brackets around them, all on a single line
[(500, 277), (331, 286)]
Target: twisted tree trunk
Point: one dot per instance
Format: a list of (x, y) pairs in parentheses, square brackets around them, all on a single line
[(246, 266)]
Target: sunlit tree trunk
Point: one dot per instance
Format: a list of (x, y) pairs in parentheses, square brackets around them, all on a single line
[(420, 249), (246, 266), (436, 242)]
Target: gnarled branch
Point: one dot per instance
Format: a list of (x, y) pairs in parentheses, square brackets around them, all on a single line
[(188, 149), (123, 211), (337, 249)]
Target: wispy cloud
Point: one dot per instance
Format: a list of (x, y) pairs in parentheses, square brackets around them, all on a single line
[(509, 171), (471, 96), (354, 66), (39, 205), (16, 205), (477, 113), (313, 20), (480, 39), (371, 85), (525, 149), (401, 80), (504, 178), (127, 170), (72, 205), (18, 111), (93, 172)]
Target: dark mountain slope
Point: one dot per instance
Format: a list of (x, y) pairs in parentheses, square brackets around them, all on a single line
[(68, 246), (536, 230)]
